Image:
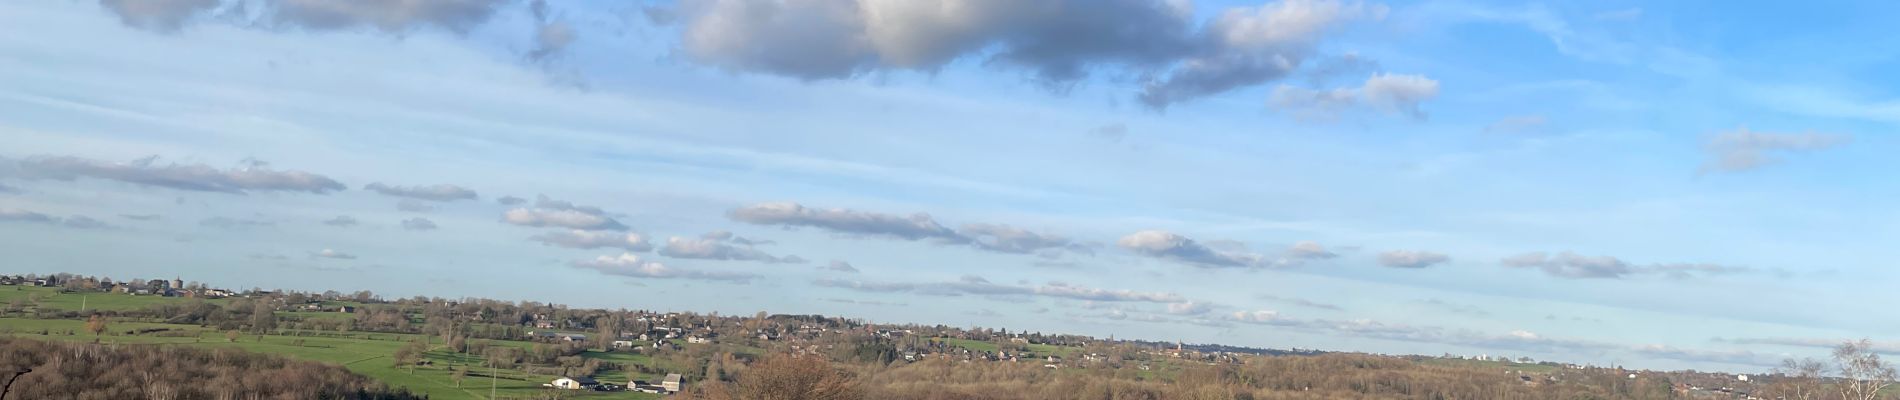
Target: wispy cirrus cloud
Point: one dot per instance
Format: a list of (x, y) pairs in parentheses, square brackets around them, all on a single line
[(1742, 150)]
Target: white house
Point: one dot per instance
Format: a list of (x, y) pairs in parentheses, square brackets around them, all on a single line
[(574, 383), (622, 344), (698, 340)]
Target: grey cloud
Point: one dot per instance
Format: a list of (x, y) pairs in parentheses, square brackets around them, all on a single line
[(1309, 250), (84, 222), (971, 285), (629, 265), (388, 16), (542, 201), (18, 215), (1008, 239), (158, 15), (418, 224), (1058, 42), (141, 217), (1299, 302), (1411, 258), (1574, 266), (1395, 94), (1570, 265), (76, 221), (4, 189), (235, 223), (439, 192), (717, 247), (1742, 150), (409, 205), (550, 35), (583, 239), (510, 200), (840, 266), (1253, 45), (918, 226), (1175, 247), (457, 16), (341, 220), (253, 176), (1691, 270), (914, 227), (333, 254), (1162, 244)]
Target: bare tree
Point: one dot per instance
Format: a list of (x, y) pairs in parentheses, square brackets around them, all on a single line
[(1863, 373), (1801, 379)]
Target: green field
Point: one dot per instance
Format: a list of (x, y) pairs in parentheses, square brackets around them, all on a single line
[(51, 298), (364, 353)]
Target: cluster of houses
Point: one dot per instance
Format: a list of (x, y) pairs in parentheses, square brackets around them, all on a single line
[(668, 385), (155, 287)]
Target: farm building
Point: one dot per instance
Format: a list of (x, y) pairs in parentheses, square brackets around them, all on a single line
[(574, 383)]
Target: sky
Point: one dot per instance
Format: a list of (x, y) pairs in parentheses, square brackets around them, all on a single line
[(1661, 185)]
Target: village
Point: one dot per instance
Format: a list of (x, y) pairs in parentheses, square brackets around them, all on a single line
[(640, 351)]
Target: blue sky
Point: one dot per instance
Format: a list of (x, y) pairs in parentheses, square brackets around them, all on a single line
[(1680, 185)]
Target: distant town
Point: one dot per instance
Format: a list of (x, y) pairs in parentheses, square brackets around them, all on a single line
[(527, 349)]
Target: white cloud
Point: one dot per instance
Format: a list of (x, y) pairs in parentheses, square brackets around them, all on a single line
[(1390, 93), (585, 239), (333, 254), (560, 218), (630, 265)]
